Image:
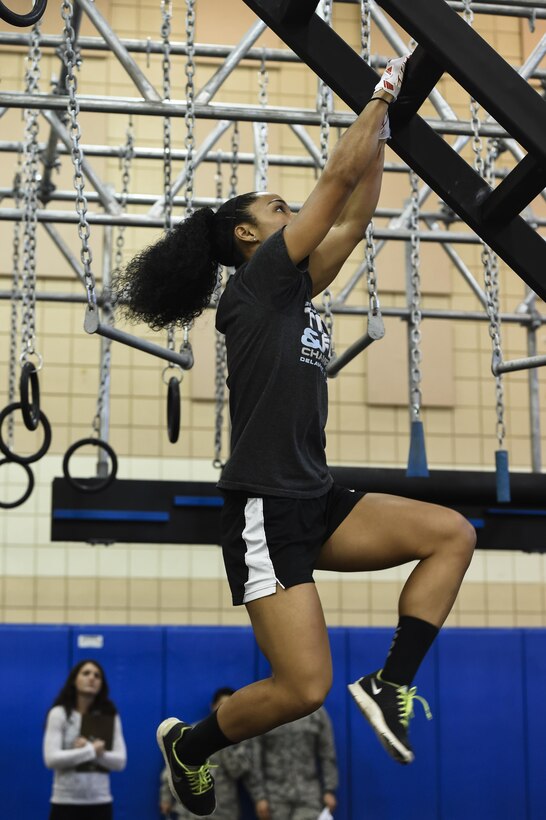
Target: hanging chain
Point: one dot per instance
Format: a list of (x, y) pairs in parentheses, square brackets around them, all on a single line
[(14, 311), (234, 177), (485, 168), (30, 202), (370, 270), (325, 97), (166, 17), (365, 51), (189, 118), (263, 147), (166, 13), (415, 302), (127, 155), (69, 59), (365, 30), (477, 144), (106, 357), (491, 280)]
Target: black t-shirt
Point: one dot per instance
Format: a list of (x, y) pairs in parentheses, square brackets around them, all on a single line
[(277, 352)]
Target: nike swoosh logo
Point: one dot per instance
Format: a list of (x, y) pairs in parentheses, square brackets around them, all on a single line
[(375, 688)]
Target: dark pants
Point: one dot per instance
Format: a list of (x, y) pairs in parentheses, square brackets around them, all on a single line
[(63, 811)]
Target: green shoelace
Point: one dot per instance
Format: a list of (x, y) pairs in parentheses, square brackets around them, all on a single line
[(200, 780), (405, 702), (406, 697)]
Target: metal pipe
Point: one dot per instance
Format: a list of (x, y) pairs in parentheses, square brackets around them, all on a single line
[(231, 62), (374, 331), (211, 202), (118, 49), (143, 220), (343, 310), (149, 46), (518, 364), (217, 111), (10, 146), (503, 10), (93, 325), (507, 8)]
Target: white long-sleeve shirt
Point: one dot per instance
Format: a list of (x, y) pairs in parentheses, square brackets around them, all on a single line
[(69, 785)]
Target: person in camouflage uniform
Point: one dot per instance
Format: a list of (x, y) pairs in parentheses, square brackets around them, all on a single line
[(233, 764), (297, 764)]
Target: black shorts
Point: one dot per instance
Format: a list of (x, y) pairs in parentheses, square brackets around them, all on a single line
[(269, 540), (66, 811)]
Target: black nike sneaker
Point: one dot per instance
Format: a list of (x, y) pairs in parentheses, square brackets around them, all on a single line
[(193, 786), (389, 709)]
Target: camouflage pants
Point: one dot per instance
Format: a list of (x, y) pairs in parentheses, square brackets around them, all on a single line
[(288, 811)]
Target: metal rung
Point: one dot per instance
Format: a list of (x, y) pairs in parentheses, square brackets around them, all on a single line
[(498, 366), (375, 331), (92, 324)]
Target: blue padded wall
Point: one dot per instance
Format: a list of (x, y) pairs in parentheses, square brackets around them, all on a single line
[(479, 759), (34, 661), (534, 666), (481, 724)]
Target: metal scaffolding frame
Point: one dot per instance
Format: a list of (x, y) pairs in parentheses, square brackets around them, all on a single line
[(434, 226)]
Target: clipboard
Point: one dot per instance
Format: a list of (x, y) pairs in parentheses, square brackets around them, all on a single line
[(95, 726)]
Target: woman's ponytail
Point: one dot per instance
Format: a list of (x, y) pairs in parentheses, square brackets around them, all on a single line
[(171, 282)]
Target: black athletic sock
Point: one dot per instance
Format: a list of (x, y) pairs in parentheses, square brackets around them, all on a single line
[(205, 738), (412, 640)]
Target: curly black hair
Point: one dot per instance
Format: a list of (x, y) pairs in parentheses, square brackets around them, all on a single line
[(67, 697), (171, 282)]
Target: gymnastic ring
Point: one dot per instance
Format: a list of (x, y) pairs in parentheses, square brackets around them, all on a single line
[(22, 20), (30, 399), (30, 475), (10, 408), (98, 484), (173, 410)]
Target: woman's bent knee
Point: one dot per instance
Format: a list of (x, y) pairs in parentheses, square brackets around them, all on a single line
[(306, 697), (461, 536)]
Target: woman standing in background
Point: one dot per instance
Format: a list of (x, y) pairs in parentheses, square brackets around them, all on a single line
[(83, 742)]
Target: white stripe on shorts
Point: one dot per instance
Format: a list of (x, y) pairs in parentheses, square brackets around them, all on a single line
[(261, 573)]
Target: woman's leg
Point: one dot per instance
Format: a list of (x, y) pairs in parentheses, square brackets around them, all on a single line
[(384, 531), (290, 630)]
